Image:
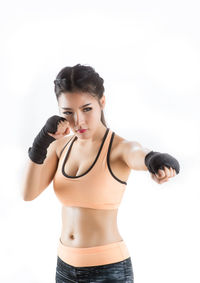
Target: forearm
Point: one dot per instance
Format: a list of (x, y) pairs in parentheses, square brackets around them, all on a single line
[(31, 180)]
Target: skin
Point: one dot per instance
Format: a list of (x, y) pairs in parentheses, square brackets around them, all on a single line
[(86, 227), (163, 175)]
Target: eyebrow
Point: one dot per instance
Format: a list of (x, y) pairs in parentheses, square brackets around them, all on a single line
[(67, 108)]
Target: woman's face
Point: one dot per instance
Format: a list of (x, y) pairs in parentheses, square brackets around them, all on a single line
[(81, 110)]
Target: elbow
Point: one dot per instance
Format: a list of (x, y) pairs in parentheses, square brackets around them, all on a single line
[(26, 197)]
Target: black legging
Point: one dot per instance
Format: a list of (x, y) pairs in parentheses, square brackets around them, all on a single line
[(119, 272)]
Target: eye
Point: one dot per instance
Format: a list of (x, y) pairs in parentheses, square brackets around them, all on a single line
[(83, 109), (66, 112), (88, 108)]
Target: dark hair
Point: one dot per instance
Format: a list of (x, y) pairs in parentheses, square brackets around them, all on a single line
[(80, 78)]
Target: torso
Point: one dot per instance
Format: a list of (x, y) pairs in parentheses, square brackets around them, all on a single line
[(86, 227)]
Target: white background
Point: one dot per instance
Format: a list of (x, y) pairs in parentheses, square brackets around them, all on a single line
[(148, 53)]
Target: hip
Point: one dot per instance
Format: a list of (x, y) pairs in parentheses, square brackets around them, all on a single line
[(118, 272), (93, 256)]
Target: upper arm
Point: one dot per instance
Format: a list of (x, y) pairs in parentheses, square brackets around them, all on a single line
[(133, 155)]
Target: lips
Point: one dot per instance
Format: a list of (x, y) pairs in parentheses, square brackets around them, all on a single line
[(82, 130)]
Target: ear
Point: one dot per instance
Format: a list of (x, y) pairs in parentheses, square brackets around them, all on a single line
[(103, 102)]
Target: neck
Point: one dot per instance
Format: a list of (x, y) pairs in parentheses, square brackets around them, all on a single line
[(96, 137)]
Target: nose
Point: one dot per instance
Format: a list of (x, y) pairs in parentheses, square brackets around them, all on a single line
[(78, 120)]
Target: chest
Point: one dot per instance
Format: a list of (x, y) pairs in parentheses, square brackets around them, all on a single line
[(80, 160)]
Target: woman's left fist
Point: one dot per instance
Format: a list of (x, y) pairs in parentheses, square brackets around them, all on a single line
[(163, 175)]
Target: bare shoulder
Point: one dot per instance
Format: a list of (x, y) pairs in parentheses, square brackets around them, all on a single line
[(118, 140), (60, 143), (132, 153), (118, 145), (123, 145)]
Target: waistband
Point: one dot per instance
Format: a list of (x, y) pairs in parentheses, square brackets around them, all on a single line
[(93, 256)]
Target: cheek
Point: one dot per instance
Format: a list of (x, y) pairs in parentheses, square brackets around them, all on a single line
[(94, 117), (93, 114)]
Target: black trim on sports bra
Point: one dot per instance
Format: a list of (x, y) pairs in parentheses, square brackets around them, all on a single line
[(108, 162), (64, 162), (65, 146)]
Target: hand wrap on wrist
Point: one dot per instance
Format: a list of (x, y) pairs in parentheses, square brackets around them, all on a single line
[(37, 153), (156, 160)]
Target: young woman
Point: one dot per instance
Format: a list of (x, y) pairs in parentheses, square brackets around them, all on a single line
[(89, 170)]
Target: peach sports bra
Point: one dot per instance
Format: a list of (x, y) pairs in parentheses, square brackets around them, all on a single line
[(97, 188)]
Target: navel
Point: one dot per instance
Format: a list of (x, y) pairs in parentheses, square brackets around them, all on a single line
[(71, 237)]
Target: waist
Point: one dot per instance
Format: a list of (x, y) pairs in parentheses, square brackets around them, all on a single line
[(93, 256), (80, 240)]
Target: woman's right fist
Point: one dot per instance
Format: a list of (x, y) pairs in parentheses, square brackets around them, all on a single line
[(63, 129), (54, 128)]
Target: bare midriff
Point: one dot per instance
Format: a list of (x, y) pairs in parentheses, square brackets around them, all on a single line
[(87, 227)]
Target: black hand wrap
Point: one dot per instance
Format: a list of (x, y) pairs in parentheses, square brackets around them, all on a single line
[(156, 160), (38, 151)]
